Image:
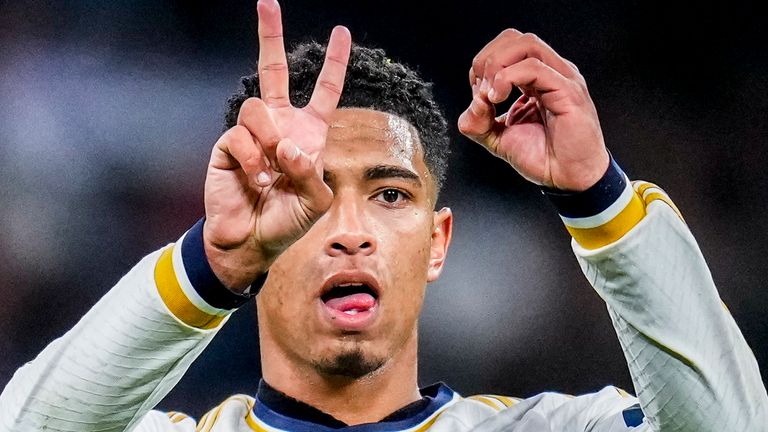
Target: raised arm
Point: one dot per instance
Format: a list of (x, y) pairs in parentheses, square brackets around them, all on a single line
[(264, 189), (691, 368)]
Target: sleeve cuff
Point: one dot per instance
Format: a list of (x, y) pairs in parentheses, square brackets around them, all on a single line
[(603, 213), (594, 200), (190, 289), (202, 278)]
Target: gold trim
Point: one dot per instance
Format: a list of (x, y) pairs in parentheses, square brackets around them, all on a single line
[(175, 299), (614, 229)]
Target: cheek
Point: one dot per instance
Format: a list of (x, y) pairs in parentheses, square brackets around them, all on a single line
[(410, 240), (285, 297), (408, 250)]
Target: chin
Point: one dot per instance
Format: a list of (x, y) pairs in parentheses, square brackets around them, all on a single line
[(353, 364)]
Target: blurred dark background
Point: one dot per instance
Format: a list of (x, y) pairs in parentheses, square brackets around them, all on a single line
[(108, 112)]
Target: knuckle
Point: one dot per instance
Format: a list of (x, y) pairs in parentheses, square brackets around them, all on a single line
[(330, 86), (248, 105), (531, 40), (277, 100), (477, 65), (273, 67), (253, 163), (490, 65), (235, 133), (340, 61), (502, 76), (533, 62), (509, 33)]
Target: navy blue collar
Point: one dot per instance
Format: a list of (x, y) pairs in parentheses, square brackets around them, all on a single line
[(282, 411)]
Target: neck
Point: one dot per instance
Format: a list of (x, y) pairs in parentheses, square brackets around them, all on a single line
[(351, 400)]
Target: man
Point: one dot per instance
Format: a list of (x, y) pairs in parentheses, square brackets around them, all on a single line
[(328, 213)]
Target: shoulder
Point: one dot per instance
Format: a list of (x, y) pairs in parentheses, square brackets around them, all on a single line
[(230, 414), (557, 411)]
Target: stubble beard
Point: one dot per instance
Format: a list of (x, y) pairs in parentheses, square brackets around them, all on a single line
[(350, 364)]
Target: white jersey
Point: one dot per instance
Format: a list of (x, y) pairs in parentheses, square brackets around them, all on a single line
[(691, 368)]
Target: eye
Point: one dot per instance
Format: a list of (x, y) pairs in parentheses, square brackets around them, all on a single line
[(391, 196)]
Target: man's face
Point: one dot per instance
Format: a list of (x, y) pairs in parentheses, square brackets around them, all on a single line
[(345, 298)]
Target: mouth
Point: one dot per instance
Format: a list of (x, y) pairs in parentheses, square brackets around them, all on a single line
[(350, 300)]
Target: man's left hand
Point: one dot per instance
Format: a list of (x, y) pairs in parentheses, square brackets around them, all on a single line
[(551, 135)]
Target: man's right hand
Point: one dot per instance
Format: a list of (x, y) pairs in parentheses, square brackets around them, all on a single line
[(264, 187)]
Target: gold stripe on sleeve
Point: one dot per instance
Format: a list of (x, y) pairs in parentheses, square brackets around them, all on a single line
[(486, 400), (506, 400), (176, 417), (651, 192), (663, 197), (614, 229), (175, 299)]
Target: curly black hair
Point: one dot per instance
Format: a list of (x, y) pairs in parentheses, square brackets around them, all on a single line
[(372, 81)]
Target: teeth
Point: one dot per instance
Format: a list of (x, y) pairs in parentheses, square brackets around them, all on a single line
[(351, 312)]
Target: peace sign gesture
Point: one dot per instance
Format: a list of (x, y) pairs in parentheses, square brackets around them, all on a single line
[(264, 187)]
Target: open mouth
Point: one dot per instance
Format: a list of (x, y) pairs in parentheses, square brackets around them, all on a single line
[(350, 298)]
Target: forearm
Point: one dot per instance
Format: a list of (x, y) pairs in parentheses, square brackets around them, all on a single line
[(123, 356), (690, 365)]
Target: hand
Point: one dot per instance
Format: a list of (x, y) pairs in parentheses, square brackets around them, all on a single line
[(264, 187), (551, 135)]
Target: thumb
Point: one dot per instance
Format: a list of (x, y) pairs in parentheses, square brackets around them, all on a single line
[(478, 121), (306, 175)]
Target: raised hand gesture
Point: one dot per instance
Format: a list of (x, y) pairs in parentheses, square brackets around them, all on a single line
[(551, 135), (264, 187)]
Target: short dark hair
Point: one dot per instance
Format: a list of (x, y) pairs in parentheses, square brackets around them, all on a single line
[(372, 81)]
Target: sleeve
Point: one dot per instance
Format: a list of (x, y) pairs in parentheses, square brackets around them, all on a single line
[(128, 351), (691, 367)]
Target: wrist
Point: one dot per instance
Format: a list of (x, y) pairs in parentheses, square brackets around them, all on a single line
[(603, 191), (213, 273), (583, 175), (234, 272)]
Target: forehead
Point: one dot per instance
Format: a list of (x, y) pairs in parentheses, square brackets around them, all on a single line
[(359, 136)]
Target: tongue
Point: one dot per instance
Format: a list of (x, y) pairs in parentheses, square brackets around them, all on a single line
[(359, 302)]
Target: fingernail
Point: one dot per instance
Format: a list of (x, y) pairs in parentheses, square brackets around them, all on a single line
[(263, 178), (491, 95), (295, 153), (484, 85)]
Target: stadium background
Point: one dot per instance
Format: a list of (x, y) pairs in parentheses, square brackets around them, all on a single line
[(108, 111)]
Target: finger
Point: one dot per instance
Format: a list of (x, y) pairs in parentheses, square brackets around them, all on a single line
[(237, 149), (255, 116), (555, 91), (511, 47), (273, 66), (306, 177), (531, 113), (478, 121), (519, 109), (330, 82)]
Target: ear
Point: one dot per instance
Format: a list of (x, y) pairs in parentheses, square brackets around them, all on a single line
[(441, 239)]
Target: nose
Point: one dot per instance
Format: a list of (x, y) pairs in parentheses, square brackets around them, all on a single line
[(348, 230)]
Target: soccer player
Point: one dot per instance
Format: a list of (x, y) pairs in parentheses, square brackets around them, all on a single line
[(327, 212)]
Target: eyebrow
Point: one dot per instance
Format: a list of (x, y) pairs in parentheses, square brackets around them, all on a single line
[(381, 172), (391, 171)]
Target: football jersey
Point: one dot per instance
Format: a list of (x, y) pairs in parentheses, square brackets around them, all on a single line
[(691, 368)]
